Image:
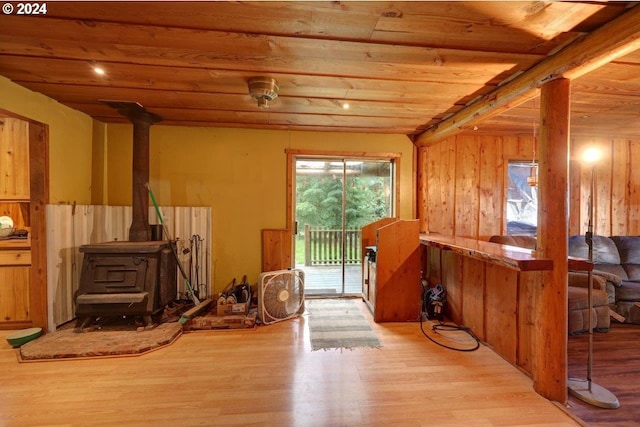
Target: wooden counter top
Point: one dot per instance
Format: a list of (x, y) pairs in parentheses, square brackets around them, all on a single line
[(507, 256)]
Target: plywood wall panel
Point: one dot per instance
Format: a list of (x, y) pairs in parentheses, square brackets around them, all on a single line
[(276, 249)]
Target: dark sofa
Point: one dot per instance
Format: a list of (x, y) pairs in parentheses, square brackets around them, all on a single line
[(616, 261)]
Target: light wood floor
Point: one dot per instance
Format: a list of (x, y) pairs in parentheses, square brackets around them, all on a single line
[(270, 377)]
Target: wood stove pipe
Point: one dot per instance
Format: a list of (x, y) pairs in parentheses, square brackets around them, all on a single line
[(140, 230)]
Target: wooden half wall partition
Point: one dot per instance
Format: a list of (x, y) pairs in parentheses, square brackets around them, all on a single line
[(491, 289), (391, 285), (70, 226)]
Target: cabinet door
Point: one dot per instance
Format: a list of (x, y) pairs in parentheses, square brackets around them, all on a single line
[(14, 159), (14, 294)]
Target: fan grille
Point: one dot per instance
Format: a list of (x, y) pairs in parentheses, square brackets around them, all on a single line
[(281, 295)]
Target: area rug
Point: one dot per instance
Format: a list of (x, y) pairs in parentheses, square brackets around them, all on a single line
[(109, 341), (339, 324)]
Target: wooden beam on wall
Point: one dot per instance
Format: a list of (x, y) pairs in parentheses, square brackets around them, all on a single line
[(609, 42)]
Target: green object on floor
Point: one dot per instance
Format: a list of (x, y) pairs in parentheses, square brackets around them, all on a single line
[(19, 338)]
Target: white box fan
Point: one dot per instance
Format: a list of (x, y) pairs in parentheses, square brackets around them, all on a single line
[(280, 295)]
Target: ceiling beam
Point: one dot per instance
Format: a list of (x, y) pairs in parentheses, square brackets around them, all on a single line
[(613, 40)]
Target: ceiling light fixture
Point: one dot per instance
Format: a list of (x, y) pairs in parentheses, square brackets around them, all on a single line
[(263, 90), (345, 105)]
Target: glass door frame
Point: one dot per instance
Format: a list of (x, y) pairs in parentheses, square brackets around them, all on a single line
[(293, 155)]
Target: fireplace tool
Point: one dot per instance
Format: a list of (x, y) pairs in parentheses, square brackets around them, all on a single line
[(199, 305)]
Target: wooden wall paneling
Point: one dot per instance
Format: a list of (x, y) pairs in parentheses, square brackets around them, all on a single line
[(14, 155), (633, 227), (518, 147), (466, 187), (422, 190), (510, 147), (473, 308), (452, 280), (491, 182), (620, 186), (602, 200), (529, 281), (433, 259), (433, 189), (575, 200), (276, 250), (447, 186), (501, 310)]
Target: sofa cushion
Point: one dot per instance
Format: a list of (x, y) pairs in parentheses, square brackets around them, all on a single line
[(578, 298), (605, 250), (632, 270), (629, 291), (615, 269), (628, 248)]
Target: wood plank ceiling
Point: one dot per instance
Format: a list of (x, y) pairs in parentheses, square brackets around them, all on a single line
[(401, 66)]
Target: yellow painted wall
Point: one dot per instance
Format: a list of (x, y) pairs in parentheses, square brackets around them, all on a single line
[(241, 175), (70, 140)]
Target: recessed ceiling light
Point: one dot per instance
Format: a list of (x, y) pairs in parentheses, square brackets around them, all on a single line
[(97, 68), (345, 105)]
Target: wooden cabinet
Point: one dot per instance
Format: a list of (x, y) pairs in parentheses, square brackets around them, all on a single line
[(391, 284), (15, 255)]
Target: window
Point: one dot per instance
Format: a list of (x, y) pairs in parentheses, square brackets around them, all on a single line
[(522, 198)]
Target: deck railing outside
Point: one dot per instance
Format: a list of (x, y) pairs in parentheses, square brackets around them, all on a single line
[(323, 246)]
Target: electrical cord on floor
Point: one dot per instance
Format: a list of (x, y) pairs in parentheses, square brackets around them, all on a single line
[(434, 299), (449, 327)]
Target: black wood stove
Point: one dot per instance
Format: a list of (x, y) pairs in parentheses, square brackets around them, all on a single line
[(136, 277)]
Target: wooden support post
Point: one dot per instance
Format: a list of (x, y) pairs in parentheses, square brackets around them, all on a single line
[(550, 340)]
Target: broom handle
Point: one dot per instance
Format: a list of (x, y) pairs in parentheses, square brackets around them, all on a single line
[(194, 298)]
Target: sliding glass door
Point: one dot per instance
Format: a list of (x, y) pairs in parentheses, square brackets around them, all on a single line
[(334, 198)]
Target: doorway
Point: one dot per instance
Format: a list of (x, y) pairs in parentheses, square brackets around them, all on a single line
[(334, 198)]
